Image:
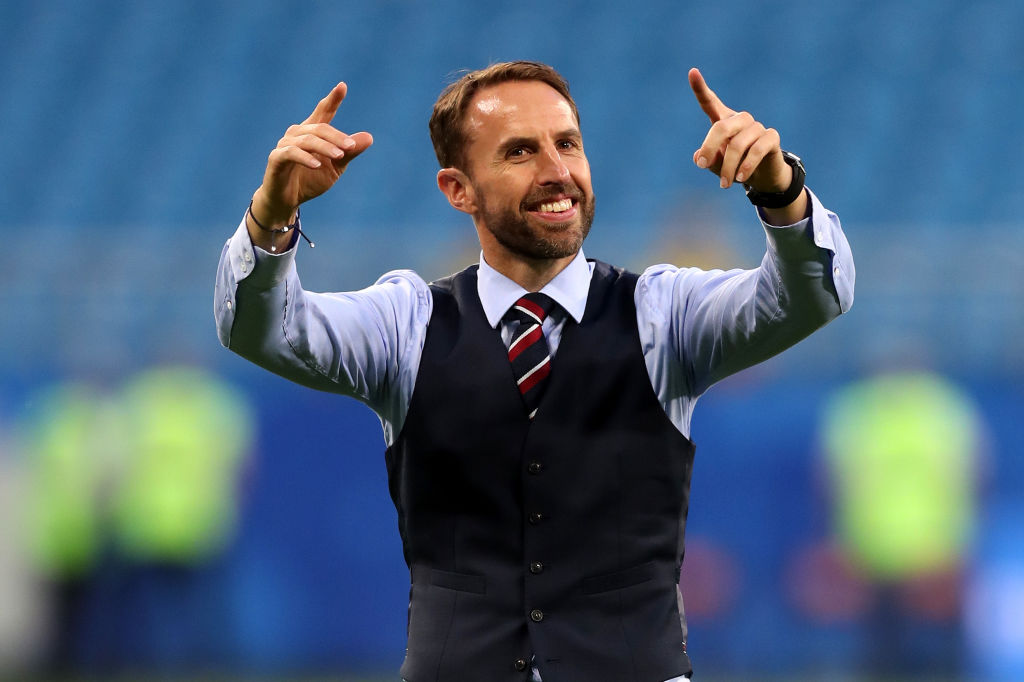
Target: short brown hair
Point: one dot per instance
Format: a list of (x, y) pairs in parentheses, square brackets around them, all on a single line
[(446, 123)]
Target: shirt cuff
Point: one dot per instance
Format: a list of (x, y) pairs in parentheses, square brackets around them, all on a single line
[(805, 240), (791, 239), (258, 269)]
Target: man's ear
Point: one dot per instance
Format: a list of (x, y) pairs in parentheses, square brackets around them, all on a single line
[(455, 185)]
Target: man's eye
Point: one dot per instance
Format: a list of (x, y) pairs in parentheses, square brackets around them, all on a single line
[(567, 144), (516, 152)]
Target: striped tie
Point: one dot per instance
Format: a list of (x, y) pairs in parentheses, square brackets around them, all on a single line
[(528, 352)]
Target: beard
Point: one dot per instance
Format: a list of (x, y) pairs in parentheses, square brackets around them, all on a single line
[(514, 231)]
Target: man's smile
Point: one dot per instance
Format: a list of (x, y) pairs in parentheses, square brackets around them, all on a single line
[(556, 210)]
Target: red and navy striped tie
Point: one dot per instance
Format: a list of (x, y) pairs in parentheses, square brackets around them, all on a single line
[(528, 352)]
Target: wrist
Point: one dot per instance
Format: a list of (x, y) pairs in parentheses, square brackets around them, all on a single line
[(783, 197), (781, 185), (265, 235), (269, 216), (788, 215)]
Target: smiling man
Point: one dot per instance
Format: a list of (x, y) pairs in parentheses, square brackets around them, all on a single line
[(520, 170), (536, 406)]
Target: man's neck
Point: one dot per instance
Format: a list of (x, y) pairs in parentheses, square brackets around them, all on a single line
[(531, 274)]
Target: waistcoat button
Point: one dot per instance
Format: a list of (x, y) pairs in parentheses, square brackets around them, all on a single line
[(535, 467), (535, 517), (536, 615), (536, 567), (520, 664)]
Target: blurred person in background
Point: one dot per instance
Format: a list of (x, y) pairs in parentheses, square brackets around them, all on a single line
[(126, 494), (544, 537), (23, 601), (70, 440), (901, 452)]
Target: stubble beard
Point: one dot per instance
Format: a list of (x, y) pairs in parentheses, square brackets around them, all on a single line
[(514, 231)]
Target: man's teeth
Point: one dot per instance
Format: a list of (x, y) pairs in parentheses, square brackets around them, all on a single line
[(556, 206)]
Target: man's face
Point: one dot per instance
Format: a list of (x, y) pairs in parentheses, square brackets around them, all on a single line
[(525, 162)]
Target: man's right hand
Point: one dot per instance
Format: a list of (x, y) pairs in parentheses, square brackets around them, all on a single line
[(307, 162)]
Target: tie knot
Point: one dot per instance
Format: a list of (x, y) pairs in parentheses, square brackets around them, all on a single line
[(531, 308)]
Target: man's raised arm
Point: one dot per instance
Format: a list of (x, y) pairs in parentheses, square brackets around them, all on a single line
[(352, 342), (722, 322)]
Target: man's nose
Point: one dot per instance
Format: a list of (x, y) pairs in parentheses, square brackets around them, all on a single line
[(552, 167)]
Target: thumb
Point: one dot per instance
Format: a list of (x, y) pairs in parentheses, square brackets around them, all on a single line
[(709, 102), (363, 141)]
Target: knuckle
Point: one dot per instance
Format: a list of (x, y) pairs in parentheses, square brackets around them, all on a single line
[(278, 155)]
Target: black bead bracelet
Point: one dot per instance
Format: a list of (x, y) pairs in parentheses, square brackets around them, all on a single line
[(282, 230)]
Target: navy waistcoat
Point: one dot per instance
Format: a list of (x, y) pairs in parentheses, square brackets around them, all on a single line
[(559, 539)]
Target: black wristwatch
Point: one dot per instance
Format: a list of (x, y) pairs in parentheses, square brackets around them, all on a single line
[(780, 199)]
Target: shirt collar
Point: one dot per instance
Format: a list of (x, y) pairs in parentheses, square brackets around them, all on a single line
[(569, 289)]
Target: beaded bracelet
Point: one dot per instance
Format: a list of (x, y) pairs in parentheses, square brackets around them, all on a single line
[(281, 230)]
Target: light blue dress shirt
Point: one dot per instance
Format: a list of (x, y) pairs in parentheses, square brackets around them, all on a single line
[(696, 326)]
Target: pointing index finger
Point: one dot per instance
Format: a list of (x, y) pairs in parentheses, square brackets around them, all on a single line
[(328, 106), (706, 97)]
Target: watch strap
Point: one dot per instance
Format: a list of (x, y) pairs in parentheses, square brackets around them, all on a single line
[(781, 199)]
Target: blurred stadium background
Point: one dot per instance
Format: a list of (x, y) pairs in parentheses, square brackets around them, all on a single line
[(167, 510)]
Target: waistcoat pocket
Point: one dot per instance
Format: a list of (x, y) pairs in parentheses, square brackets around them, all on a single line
[(619, 579), (460, 582)]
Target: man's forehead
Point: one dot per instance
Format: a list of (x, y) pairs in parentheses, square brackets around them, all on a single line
[(517, 102)]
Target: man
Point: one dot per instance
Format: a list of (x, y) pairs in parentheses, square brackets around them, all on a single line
[(538, 451)]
